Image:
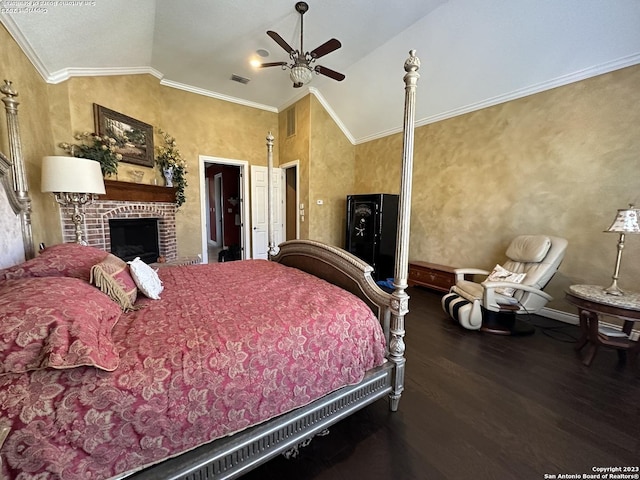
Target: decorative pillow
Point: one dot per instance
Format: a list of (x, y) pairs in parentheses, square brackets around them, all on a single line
[(146, 278), (62, 260), (112, 276), (500, 274), (55, 322)]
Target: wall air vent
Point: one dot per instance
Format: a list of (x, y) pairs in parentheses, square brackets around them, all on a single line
[(239, 79), (291, 121)]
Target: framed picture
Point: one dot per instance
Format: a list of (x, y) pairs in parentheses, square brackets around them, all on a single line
[(134, 139)]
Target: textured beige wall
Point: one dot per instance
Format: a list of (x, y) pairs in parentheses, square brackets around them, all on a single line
[(297, 147), (332, 177), (559, 162), (378, 164), (207, 126), (201, 126), (72, 109), (36, 134), (327, 169)]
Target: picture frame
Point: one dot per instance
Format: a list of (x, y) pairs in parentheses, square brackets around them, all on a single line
[(134, 139)]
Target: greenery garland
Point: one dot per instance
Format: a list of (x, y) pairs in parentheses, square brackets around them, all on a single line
[(102, 149), (169, 157)]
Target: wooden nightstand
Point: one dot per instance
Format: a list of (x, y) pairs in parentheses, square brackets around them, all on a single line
[(431, 275)]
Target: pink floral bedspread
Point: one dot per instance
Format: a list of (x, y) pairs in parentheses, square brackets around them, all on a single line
[(228, 346)]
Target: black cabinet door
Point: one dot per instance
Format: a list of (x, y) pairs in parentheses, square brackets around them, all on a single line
[(363, 229), (371, 231)]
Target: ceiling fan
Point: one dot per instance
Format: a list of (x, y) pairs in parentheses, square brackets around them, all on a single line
[(301, 68)]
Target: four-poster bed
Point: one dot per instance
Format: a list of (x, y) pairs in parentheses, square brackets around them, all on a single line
[(16, 190), (162, 348)]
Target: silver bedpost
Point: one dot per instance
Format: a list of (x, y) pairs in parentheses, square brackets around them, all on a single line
[(272, 249), (18, 174), (400, 301)]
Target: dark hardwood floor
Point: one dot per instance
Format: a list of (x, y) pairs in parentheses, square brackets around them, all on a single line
[(479, 406)]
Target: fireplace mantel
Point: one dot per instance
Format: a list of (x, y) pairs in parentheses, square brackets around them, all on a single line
[(137, 192)]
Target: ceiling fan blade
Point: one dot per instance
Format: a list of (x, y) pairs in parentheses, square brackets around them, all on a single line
[(272, 64), (280, 41), (327, 47), (329, 73)]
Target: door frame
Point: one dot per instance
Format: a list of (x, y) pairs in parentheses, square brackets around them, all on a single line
[(219, 216), (285, 166), (245, 234)]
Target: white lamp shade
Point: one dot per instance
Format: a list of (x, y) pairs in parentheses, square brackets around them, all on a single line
[(626, 221), (71, 175)]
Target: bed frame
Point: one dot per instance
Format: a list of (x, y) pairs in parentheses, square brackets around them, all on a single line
[(13, 176), (230, 457)]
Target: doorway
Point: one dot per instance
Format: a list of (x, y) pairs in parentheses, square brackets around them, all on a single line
[(285, 214), (294, 211), (261, 210), (224, 211), (216, 225)]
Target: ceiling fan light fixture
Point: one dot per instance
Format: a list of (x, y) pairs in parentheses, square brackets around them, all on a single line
[(300, 74), (301, 71)]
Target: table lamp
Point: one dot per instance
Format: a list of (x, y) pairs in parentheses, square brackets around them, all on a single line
[(626, 221), (74, 182)]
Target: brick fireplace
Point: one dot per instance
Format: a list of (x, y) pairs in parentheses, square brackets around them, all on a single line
[(126, 201)]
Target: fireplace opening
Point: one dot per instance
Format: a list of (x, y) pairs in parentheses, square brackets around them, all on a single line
[(135, 237)]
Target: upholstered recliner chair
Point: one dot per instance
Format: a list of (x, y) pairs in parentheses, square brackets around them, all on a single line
[(513, 288)]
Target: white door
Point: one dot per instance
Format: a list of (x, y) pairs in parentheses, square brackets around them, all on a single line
[(260, 213), (245, 224)]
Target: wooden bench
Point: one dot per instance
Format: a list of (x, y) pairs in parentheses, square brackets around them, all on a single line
[(431, 275)]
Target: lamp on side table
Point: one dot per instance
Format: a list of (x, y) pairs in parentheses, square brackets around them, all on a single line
[(74, 182), (626, 221)]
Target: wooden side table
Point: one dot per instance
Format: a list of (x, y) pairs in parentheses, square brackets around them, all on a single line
[(592, 302)]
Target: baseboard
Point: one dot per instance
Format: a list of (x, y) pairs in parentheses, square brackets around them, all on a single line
[(559, 315), (573, 319)]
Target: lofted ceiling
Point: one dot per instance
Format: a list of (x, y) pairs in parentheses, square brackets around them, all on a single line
[(474, 53)]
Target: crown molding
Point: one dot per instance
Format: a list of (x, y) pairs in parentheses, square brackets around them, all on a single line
[(561, 81), (67, 73), (316, 93), (219, 96), (303, 92), (24, 44)]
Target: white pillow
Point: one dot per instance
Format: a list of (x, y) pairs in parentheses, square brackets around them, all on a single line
[(501, 274), (146, 278)]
